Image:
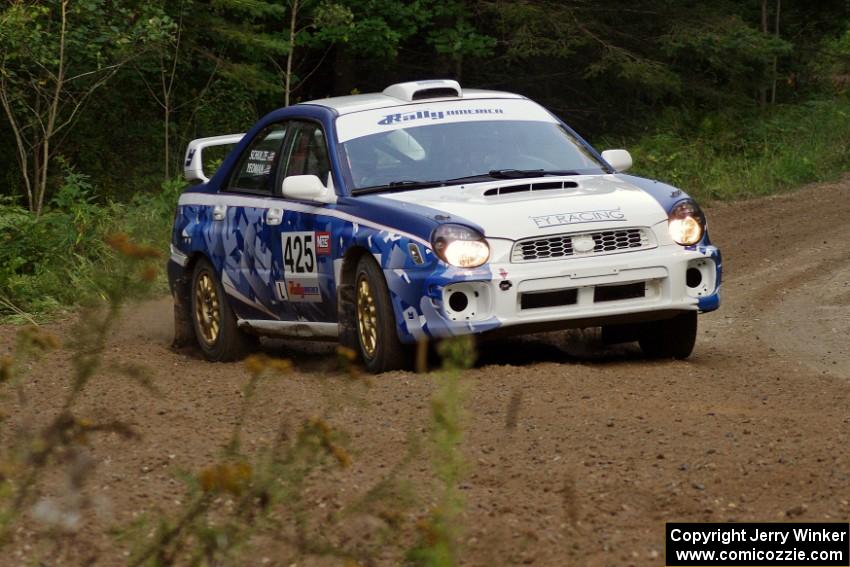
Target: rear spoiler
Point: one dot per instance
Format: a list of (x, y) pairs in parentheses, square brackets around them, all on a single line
[(193, 165)]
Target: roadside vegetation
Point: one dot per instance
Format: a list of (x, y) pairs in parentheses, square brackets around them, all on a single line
[(727, 157), (53, 262), (99, 99)]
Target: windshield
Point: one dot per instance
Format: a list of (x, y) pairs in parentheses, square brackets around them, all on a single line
[(440, 152)]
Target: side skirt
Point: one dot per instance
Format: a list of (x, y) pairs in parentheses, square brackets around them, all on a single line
[(291, 329)]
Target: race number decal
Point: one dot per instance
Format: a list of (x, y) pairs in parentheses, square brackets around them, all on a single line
[(299, 253)]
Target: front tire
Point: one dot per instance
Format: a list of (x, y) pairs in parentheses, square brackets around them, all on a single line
[(670, 338), (377, 338), (214, 322)]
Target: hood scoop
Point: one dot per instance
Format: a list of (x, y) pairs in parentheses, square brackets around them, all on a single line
[(542, 186)]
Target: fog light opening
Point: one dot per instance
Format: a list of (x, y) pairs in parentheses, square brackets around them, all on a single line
[(458, 301), (693, 277)]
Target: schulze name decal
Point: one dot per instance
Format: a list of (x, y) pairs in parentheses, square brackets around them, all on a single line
[(579, 217)]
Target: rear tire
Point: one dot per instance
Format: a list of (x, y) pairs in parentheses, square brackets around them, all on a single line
[(670, 338), (375, 323), (216, 330)]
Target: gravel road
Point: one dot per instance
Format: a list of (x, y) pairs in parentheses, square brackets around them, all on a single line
[(605, 448)]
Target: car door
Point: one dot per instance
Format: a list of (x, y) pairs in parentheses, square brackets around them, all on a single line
[(250, 218), (303, 264)]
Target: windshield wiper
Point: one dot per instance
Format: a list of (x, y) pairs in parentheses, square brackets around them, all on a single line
[(512, 174), (401, 185), (520, 173), (410, 184)]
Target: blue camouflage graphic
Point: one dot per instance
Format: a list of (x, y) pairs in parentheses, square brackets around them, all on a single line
[(247, 252)]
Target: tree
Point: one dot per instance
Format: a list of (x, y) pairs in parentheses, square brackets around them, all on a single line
[(159, 73), (261, 38), (54, 56)]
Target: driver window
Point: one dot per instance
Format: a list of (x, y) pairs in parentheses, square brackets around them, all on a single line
[(254, 173), (308, 154)]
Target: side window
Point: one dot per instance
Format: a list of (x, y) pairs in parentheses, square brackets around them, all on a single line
[(255, 172), (309, 152)]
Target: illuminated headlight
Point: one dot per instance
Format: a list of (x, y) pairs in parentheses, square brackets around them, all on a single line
[(686, 223), (460, 246)]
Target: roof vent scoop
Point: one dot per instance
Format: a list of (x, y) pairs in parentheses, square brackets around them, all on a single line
[(421, 90)]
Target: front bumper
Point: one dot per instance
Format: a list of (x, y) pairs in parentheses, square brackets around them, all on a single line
[(576, 292)]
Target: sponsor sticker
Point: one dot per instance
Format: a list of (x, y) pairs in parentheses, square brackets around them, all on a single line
[(579, 217), (323, 243), (281, 291), (358, 124), (300, 290), (434, 115)]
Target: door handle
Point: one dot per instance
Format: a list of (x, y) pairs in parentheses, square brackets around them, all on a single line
[(274, 217), (219, 212)]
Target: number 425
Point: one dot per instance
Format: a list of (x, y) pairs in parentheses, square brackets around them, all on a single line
[(299, 253)]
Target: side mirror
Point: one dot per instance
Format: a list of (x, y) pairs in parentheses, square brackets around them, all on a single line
[(307, 188), (620, 160)]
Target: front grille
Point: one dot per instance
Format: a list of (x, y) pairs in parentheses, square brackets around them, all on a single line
[(561, 245)]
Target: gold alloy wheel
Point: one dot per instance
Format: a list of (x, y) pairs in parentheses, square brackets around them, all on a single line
[(207, 312), (367, 320)]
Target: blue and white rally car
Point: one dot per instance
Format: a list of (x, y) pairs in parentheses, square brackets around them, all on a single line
[(428, 211)]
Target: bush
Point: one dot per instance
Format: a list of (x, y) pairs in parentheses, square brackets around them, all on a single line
[(50, 262), (732, 156)]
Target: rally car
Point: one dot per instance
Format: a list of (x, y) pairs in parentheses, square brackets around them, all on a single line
[(428, 211)]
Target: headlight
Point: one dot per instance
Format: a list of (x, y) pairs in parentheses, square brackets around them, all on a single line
[(460, 245), (686, 223)]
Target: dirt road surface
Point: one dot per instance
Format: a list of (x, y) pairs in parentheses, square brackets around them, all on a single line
[(607, 446)]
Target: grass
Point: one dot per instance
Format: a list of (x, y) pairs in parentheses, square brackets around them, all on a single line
[(734, 156), (52, 262)]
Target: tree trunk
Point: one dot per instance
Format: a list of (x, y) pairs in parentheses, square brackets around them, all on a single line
[(166, 121), (763, 90), (36, 179), (43, 164), (290, 55), (36, 165), (20, 143), (776, 32)]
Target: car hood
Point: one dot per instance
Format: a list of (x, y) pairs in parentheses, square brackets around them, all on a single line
[(516, 209)]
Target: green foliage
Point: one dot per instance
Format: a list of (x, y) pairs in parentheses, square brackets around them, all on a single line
[(55, 55), (832, 68), (55, 261), (456, 35), (728, 57), (732, 156)]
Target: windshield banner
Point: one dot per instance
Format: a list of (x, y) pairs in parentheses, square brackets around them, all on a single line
[(359, 124)]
